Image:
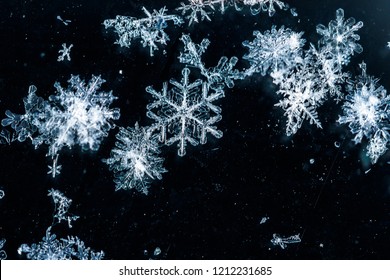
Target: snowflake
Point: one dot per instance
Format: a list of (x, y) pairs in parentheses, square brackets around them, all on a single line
[(329, 71), (200, 8), (283, 241), (50, 248), (186, 112), (62, 204), (366, 113), (218, 76), (64, 52), (134, 160), (340, 37), (258, 6), (275, 50), (149, 29), (78, 115)]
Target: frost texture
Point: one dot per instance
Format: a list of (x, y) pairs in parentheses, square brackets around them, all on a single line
[(367, 114), (50, 248), (274, 50), (77, 115), (218, 76), (135, 159), (62, 204), (185, 112), (149, 29), (340, 36)]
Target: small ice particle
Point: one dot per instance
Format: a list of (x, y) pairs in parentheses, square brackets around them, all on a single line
[(2, 194), (312, 160), (283, 241), (65, 52), (388, 45), (157, 251), (337, 144), (264, 220)]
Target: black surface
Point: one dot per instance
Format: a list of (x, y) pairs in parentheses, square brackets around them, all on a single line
[(209, 204)]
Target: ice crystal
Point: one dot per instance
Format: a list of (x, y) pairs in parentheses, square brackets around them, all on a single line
[(283, 241), (77, 115), (274, 50), (54, 169), (50, 248), (3, 254), (302, 94), (367, 114), (218, 76), (200, 9), (185, 113), (26, 125), (64, 53), (340, 36), (61, 208), (2, 194), (388, 45), (135, 159), (149, 29), (258, 6)]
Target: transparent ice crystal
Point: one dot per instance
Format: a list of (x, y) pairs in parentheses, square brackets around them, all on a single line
[(50, 248), (366, 111), (340, 36), (185, 113), (150, 29), (76, 115), (61, 208), (217, 77), (135, 159), (274, 50)]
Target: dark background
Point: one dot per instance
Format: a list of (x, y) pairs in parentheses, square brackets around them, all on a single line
[(210, 203)]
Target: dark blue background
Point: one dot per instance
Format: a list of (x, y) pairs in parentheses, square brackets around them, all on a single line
[(210, 203)]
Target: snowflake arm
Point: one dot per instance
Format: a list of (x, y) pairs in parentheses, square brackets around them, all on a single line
[(217, 77), (62, 204)]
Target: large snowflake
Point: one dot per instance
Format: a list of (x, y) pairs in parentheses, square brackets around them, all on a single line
[(274, 50), (367, 114), (134, 160), (185, 113), (77, 115), (340, 36)]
